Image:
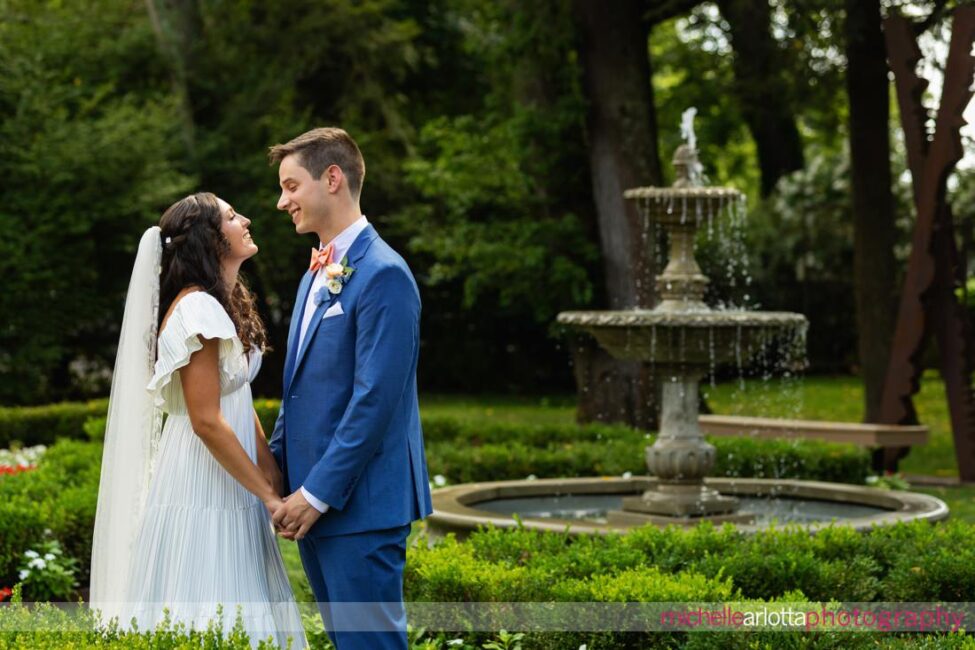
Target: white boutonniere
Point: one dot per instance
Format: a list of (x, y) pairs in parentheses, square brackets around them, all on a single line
[(338, 273)]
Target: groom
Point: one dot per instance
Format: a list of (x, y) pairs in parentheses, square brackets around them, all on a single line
[(348, 436)]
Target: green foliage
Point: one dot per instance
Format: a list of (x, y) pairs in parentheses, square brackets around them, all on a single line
[(906, 562), (501, 222), (465, 450), (485, 220), (87, 142), (49, 628), (692, 67), (45, 573), (54, 502), (42, 425), (800, 243), (704, 564)]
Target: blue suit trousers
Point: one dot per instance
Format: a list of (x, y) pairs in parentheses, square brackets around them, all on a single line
[(358, 583)]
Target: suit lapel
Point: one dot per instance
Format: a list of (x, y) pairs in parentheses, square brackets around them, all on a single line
[(355, 254), (316, 319), (297, 315)]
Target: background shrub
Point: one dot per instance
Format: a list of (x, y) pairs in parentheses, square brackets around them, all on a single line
[(464, 451)]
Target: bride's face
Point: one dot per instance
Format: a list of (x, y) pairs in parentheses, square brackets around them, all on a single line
[(235, 228)]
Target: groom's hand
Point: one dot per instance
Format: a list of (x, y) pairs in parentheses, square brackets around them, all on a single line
[(296, 516)]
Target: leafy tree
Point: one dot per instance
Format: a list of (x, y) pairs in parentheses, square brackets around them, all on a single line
[(86, 168), (500, 222)]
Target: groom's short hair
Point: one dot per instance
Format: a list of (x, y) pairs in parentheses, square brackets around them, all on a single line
[(318, 149)]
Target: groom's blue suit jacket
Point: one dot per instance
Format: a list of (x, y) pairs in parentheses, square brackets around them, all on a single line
[(349, 425)]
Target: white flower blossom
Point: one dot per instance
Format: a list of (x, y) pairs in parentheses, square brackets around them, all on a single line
[(49, 556), (531, 477), (31, 554), (334, 286), (23, 574), (627, 474), (439, 480), (22, 457), (334, 270), (37, 563)]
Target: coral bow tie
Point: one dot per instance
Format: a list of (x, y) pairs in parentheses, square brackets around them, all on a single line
[(320, 258)]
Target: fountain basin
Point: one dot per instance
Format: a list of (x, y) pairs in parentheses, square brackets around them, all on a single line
[(579, 505), (686, 337)]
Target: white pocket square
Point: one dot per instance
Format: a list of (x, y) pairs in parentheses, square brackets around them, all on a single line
[(334, 310)]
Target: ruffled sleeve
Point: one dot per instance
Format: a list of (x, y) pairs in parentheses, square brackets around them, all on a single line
[(196, 315)]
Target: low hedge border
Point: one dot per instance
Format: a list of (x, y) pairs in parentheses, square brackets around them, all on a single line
[(464, 451), (42, 425), (915, 562)]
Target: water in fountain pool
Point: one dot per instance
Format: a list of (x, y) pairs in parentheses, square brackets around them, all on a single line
[(594, 507)]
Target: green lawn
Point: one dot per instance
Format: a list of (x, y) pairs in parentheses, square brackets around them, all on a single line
[(841, 399), (495, 409), (959, 499)]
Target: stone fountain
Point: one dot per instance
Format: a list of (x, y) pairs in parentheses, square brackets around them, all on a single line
[(684, 340)]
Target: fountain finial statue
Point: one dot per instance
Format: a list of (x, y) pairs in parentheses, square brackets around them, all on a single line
[(687, 127), (688, 169)]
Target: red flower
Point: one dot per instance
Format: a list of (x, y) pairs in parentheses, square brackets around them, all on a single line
[(5, 593), (19, 469)]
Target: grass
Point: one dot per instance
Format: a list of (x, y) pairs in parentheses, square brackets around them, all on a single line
[(501, 409), (959, 499), (841, 399)]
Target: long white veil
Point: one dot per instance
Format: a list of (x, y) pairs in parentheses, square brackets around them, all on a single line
[(131, 435)]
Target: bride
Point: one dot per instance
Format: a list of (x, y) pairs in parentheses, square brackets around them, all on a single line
[(183, 519)]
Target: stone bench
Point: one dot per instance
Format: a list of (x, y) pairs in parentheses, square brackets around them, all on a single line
[(889, 442)]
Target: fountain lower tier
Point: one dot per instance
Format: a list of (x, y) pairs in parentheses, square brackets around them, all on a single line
[(694, 337), (683, 346)]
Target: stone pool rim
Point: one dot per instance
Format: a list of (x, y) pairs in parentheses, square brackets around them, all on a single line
[(454, 507)]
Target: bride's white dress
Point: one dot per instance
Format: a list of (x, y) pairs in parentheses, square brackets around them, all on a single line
[(204, 539)]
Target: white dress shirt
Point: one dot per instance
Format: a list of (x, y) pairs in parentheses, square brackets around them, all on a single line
[(340, 247)]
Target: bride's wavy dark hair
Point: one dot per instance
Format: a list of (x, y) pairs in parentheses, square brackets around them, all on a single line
[(191, 257)]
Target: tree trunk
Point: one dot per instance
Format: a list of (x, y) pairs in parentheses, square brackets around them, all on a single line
[(178, 27), (623, 153), (762, 90), (874, 266)]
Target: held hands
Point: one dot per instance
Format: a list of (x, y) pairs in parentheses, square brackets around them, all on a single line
[(294, 517)]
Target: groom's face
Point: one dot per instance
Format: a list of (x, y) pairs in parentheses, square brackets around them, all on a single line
[(302, 196)]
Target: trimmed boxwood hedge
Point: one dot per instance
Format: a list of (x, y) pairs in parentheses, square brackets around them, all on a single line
[(42, 425), (916, 562), (464, 451)]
